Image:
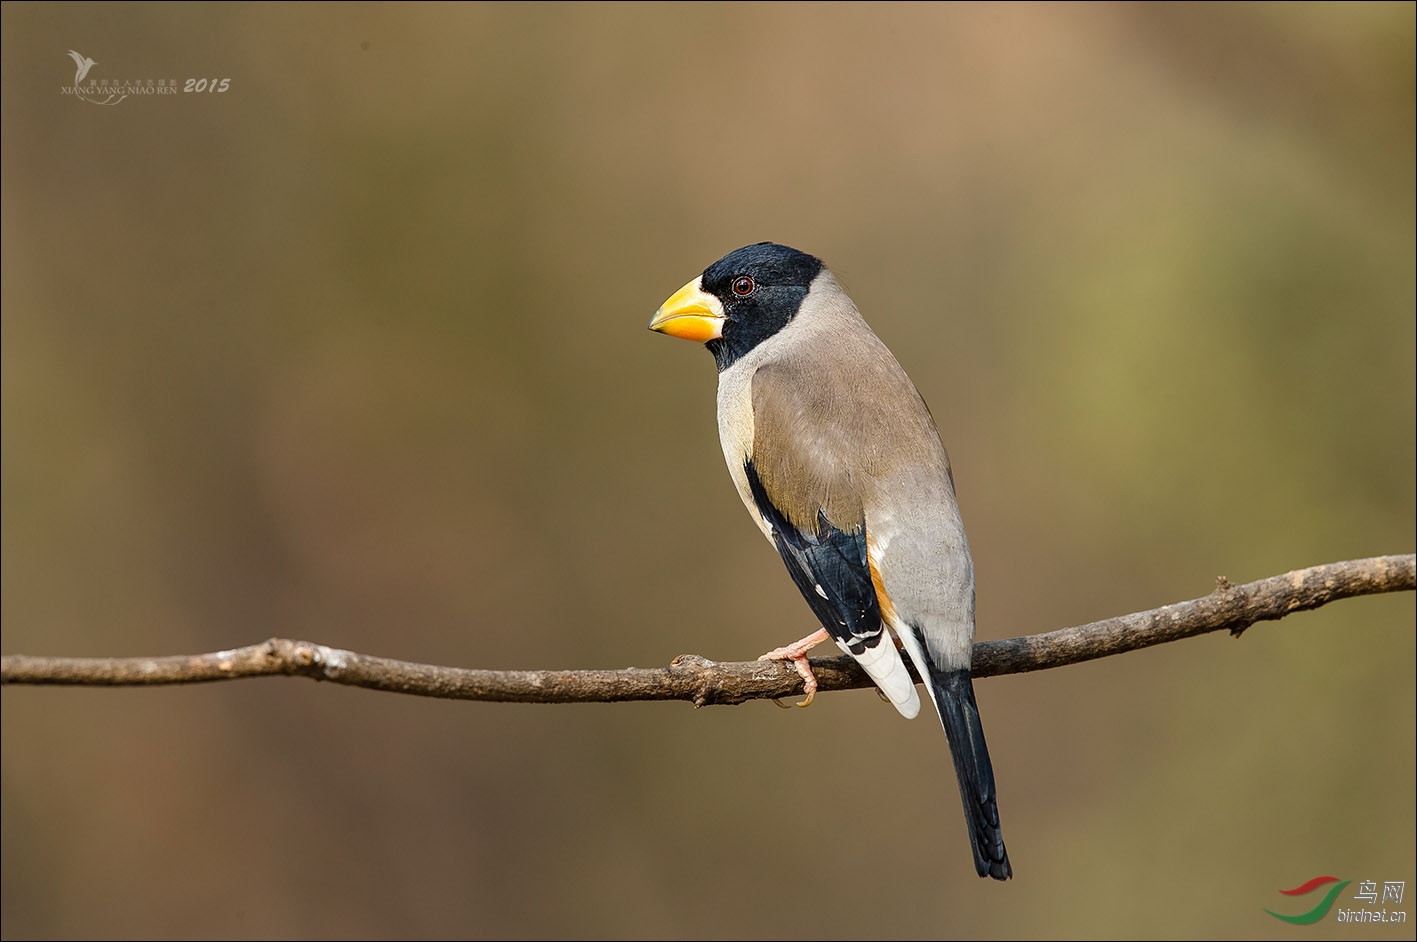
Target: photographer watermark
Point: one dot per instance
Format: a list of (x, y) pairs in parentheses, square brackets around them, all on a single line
[(1368, 895), (100, 90)]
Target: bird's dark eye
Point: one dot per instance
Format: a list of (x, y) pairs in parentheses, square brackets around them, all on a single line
[(743, 286)]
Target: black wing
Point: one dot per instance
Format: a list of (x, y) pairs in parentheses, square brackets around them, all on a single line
[(830, 569)]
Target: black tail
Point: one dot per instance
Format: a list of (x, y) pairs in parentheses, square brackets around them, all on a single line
[(953, 693)]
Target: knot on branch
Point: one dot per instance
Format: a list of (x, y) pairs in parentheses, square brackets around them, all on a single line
[(303, 658), (705, 681), (1231, 602)]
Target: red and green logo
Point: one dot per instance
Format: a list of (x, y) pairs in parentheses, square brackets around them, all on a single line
[(1319, 911)]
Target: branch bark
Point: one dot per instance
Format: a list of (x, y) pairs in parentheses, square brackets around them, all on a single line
[(702, 682)]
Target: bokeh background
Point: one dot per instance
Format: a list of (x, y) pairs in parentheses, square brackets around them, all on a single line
[(356, 352)]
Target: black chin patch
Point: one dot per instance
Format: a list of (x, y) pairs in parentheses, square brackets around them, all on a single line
[(781, 276)]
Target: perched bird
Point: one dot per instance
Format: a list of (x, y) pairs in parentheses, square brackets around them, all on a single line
[(838, 461)]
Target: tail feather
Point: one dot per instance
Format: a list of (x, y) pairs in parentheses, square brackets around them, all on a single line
[(953, 693)]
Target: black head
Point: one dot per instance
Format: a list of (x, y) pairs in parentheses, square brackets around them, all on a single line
[(761, 288)]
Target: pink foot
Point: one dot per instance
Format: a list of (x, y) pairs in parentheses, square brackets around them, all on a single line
[(796, 652)]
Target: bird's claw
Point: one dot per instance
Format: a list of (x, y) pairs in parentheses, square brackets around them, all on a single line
[(798, 660)]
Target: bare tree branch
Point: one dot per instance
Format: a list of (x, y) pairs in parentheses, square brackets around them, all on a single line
[(702, 681)]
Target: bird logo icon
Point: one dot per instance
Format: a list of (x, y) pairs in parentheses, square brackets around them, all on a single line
[(84, 63), (103, 96)]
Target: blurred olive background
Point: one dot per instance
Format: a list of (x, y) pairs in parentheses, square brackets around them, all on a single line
[(356, 352)]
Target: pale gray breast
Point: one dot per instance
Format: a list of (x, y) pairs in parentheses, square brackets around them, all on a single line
[(736, 427)]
